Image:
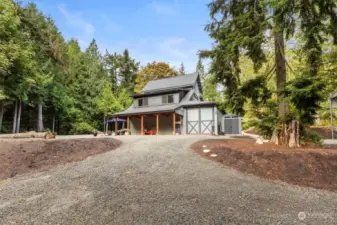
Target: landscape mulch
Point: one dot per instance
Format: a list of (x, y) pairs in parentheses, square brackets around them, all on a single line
[(312, 167), (19, 156), (323, 131)]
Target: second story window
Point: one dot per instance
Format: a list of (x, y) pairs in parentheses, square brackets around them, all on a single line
[(142, 102), (166, 99)]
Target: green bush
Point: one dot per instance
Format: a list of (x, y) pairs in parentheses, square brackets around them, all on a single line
[(311, 136), (82, 128), (264, 118)]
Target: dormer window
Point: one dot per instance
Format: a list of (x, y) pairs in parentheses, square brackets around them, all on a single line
[(167, 99), (142, 102)]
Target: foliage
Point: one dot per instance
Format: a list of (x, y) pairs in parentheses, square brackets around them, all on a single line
[(212, 93), (182, 69), (304, 94), (122, 70), (82, 128), (244, 29), (312, 137), (153, 71), (39, 67), (264, 118), (240, 27)]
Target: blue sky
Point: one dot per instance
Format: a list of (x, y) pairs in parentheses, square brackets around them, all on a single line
[(153, 30)]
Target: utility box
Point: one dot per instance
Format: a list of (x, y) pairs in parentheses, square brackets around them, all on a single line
[(232, 124)]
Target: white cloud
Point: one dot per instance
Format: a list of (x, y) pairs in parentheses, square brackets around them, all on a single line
[(173, 46), (164, 8)]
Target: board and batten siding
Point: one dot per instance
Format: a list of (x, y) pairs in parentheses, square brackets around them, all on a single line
[(156, 100), (200, 120), (196, 90)]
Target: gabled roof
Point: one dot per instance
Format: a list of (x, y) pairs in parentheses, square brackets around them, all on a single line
[(147, 110), (171, 83), (162, 108)]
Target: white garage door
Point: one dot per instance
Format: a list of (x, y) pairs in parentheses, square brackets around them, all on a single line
[(206, 120), (193, 121), (200, 120)]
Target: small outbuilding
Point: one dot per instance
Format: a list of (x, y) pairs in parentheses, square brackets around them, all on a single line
[(232, 124)]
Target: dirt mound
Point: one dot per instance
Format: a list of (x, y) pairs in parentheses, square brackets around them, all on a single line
[(306, 167), (27, 155)]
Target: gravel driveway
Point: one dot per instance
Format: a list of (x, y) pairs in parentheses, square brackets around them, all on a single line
[(158, 180)]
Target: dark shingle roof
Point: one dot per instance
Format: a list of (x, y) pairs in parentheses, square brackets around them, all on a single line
[(171, 82), (147, 110)]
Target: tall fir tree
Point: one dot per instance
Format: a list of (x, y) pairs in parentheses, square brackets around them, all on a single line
[(240, 27)]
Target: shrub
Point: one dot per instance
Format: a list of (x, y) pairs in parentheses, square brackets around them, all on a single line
[(265, 118), (82, 128), (311, 136)]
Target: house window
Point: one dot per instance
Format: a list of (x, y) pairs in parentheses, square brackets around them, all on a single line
[(166, 99), (142, 102)]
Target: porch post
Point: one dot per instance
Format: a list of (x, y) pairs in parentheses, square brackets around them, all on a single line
[(157, 124), (142, 125), (174, 123), (116, 125), (128, 125)]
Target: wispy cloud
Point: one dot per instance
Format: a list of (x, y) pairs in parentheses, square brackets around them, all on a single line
[(83, 30), (164, 8), (173, 46)]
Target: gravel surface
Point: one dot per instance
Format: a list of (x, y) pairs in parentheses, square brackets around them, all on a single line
[(158, 180)]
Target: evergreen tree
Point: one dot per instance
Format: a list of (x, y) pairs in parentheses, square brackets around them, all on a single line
[(122, 70), (182, 69), (200, 68), (240, 27)]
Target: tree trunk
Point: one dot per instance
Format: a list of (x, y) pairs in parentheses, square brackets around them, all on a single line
[(294, 134), (53, 129), (18, 120), (2, 109), (40, 119), (287, 134), (31, 134), (281, 74), (15, 117), (104, 129)]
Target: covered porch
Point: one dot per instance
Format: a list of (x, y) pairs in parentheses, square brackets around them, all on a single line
[(157, 123)]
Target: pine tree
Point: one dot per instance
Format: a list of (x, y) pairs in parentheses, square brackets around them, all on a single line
[(181, 69), (122, 70), (128, 70), (240, 27)]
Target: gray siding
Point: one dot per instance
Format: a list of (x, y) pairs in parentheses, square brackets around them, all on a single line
[(196, 90), (135, 125), (165, 124), (156, 100)]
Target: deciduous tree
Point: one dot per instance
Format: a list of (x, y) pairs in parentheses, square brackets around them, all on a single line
[(153, 71)]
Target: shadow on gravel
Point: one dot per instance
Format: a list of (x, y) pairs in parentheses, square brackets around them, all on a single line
[(19, 156)]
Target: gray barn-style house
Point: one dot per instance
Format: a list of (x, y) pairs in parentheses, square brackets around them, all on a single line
[(172, 105)]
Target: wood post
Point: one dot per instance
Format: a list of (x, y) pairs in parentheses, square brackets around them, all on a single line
[(116, 125), (142, 125), (174, 123), (157, 124), (128, 125)]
